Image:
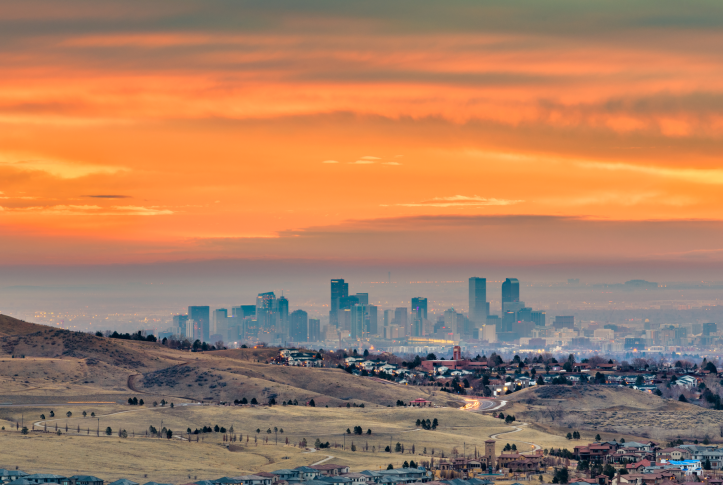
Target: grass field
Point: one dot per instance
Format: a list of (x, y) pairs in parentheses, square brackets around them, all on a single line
[(173, 460)]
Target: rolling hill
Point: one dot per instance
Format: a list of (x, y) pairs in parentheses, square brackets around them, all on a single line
[(50, 361)]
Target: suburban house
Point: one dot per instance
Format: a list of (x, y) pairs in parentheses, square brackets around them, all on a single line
[(43, 478), (253, 480), (82, 480), (329, 470)]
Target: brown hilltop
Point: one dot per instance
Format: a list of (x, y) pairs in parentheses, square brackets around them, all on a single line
[(76, 360)]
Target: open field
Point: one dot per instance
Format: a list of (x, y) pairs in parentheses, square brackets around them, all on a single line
[(73, 453)]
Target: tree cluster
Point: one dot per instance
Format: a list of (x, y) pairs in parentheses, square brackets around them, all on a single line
[(427, 424), (131, 336)]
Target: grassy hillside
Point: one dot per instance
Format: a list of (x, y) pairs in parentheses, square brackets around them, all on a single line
[(617, 410), (60, 362)]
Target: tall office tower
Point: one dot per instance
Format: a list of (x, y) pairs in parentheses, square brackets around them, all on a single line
[(419, 307), (346, 302), (510, 290), (344, 321), (358, 320), (219, 324), (363, 298), (372, 319), (417, 329), (190, 327), (508, 318), (478, 307), (388, 317), (709, 328), (244, 311), (339, 290), (201, 316), (400, 318), (298, 326), (564, 321), (179, 324), (266, 310), (282, 316), (524, 314), (451, 323), (539, 318), (314, 330)]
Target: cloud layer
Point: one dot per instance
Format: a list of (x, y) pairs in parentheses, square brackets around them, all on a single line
[(229, 121)]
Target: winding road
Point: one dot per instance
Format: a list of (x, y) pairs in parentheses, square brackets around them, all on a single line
[(481, 404), (535, 446)]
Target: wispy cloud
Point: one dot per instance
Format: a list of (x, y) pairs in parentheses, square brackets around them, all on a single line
[(369, 157), (391, 163), (361, 162), (712, 176), (58, 168), (90, 210), (108, 196), (329, 161), (461, 201)]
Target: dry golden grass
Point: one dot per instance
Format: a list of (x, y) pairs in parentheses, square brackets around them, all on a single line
[(172, 460), (615, 412)]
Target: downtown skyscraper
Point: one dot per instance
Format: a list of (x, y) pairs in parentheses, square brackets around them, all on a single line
[(510, 291), (478, 306), (339, 290)]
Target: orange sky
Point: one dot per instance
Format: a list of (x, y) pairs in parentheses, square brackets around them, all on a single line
[(132, 134)]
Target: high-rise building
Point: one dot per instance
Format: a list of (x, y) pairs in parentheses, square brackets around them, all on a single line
[(219, 324), (478, 307), (201, 317), (388, 317), (346, 302), (400, 318), (298, 326), (419, 307), (362, 298), (451, 323), (314, 330), (266, 310), (358, 320), (417, 327), (372, 319), (510, 290), (562, 321), (244, 311), (339, 290), (524, 314), (709, 328), (179, 324), (282, 316), (538, 318)]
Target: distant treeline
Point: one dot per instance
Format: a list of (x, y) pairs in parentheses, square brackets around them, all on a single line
[(130, 336)]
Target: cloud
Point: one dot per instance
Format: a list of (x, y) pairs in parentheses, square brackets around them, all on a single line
[(108, 196), (696, 175), (58, 168), (361, 162), (329, 161), (461, 201), (391, 163), (90, 210), (368, 157)]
